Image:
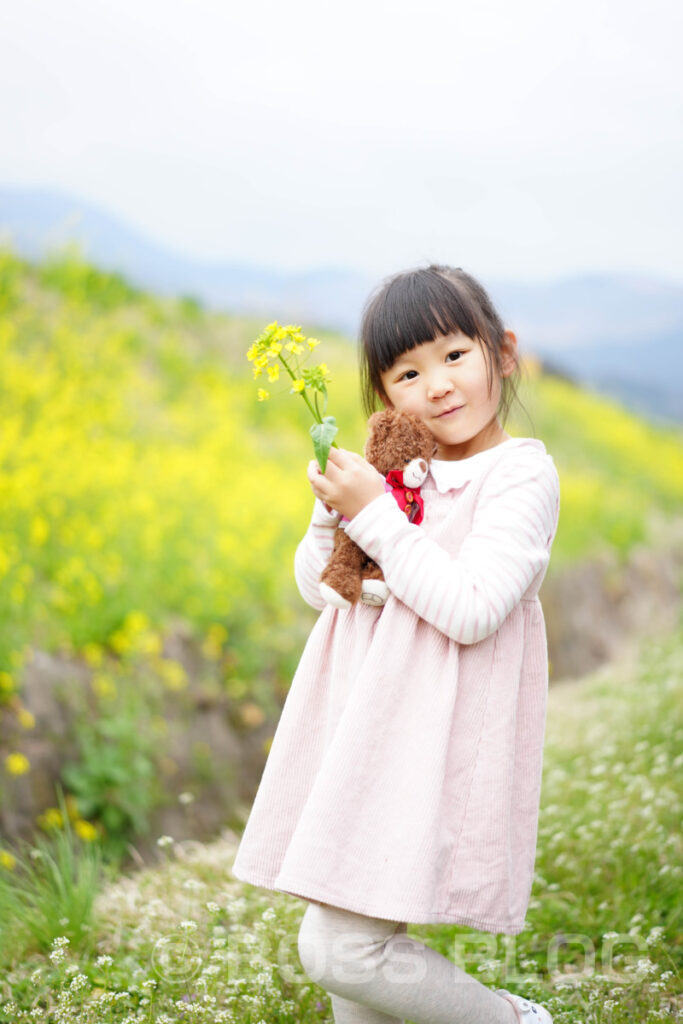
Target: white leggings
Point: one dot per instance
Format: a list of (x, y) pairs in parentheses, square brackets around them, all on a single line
[(376, 974)]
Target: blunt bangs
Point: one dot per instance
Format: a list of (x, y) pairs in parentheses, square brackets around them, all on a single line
[(412, 309)]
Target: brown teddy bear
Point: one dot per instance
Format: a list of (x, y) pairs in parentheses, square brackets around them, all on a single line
[(400, 447)]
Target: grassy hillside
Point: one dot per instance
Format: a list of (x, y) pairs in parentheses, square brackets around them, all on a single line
[(603, 938), (141, 481)]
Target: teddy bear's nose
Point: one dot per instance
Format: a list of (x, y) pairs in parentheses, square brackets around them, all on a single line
[(423, 465)]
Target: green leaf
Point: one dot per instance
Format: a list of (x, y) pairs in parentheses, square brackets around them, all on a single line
[(323, 435)]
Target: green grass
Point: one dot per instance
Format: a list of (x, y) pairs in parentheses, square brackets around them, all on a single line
[(50, 892), (603, 942)]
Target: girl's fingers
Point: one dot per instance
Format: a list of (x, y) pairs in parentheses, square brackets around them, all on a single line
[(339, 457)]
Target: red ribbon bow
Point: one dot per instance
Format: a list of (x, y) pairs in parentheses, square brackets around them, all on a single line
[(409, 499)]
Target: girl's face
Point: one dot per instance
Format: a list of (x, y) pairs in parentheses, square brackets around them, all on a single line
[(444, 382)]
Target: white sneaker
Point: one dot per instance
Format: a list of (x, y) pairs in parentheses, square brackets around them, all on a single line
[(527, 1012)]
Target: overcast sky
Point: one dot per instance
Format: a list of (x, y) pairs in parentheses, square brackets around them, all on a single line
[(522, 139)]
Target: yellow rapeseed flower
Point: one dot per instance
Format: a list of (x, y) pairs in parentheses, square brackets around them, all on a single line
[(39, 531), (136, 622), (312, 343), (92, 653), (50, 818), (298, 385), (215, 638), (7, 860), (293, 347), (85, 829), (172, 673), (262, 394), (149, 643), (274, 350), (17, 763), (103, 685), (6, 684), (273, 373), (26, 718), (120, 641)]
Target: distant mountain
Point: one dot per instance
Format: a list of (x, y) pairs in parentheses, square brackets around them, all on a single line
[(37, 220), (621, 334)]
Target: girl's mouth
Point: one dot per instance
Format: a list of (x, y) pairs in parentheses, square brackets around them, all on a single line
[(449, 412)]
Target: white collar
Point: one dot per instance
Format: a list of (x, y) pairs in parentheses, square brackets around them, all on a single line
[(449, 474)]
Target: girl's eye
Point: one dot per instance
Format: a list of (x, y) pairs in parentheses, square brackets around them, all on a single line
[(408, 375), (453, 356)]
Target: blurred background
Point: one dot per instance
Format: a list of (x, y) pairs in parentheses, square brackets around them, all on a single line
[(173, 176)]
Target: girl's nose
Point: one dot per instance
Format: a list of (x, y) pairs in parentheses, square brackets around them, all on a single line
[(439, 385)]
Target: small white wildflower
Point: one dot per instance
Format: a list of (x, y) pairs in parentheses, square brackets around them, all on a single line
[(186, 798), (193, 884), (212, 907), (655, 935), (104, 961), (78, 983), (188, 926), (149, 983), (268, 915), (646, 966), (59, 945), (164, 841)]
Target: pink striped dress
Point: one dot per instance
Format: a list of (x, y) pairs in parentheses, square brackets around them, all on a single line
[(404, 777)]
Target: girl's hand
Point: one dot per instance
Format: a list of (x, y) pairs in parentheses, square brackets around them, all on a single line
[(348, 484)]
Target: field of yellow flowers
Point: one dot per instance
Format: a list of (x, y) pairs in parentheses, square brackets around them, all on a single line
[(141, 480)]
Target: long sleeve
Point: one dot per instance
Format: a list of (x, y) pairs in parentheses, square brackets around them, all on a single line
[(314, 552), (467, 597)]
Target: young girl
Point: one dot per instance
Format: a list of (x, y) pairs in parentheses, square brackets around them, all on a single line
[(403, 779)]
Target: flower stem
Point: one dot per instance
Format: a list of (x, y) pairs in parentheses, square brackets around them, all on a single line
[(315, 414)]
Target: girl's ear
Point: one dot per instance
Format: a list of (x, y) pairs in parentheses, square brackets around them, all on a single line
[(509, 353)]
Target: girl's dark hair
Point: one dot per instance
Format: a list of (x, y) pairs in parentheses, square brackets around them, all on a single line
[(416, 306)]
